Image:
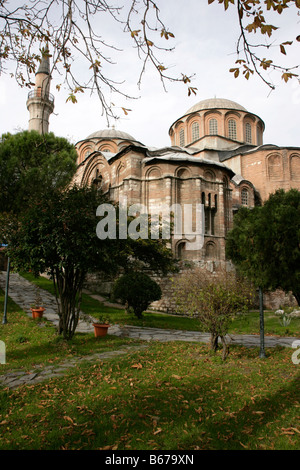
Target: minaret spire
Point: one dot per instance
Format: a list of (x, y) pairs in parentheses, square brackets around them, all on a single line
[(40, 102)]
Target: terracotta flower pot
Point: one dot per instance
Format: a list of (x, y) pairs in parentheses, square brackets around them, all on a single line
[(100, 329), (37, 312)]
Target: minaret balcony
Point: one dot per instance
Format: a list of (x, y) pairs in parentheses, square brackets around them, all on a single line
[(39, 94)]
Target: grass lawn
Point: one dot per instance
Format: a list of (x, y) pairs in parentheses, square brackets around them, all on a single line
[(29, 342), (242, 324), (169, 396)]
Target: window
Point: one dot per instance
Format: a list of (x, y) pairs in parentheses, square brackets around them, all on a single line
[(181, 138), (209, 175), (213, 127), (181, 250), (248, 136), (87, 152), (210, 251), (209, 213), (274, 166), (244, 197), (195, 131), (97, 181), (232, 129), (295, 167)]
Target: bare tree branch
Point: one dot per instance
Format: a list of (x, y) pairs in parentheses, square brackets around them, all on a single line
[(65, 29), (251, 59)]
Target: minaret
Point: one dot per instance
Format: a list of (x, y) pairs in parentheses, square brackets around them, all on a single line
[(40, 102)]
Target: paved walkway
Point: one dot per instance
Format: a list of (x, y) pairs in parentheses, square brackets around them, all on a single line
[(15, 379), (23, 292)]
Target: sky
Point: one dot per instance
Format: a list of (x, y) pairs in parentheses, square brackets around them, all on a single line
[(205, 44)]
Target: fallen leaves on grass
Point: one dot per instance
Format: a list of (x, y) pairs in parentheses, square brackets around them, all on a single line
[(290, 431), (137, 366)]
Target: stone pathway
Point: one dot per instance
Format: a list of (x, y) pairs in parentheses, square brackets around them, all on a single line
[(15, 379), (23, 292)]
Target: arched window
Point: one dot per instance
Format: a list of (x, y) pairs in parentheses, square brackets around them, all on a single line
[(181, 138), (118, 173), (153, 172), (232, 129), (213, 127), (248, 136), (210, 251), (274, 165), (86, 152), (195, 131), (244, 197), (181, 250), (97, 180), (209, 175), (182, 173), (295, 167)]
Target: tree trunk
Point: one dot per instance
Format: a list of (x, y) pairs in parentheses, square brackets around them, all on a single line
[(213, 342), (225, 351), (68, 288)]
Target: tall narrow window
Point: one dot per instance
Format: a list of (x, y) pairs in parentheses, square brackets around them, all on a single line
[(274, 166), (195, 131), (181, 138), (295, 167), (244, 197), (207, 221), (232, 129), (210, 251), (213, 127), (248, 136)]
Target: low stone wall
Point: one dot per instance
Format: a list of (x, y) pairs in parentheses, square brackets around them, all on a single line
[(277, 299), (167, 303), (102, 284)]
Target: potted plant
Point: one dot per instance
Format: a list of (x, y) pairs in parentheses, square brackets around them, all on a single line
[(101, 326), (37, 308)]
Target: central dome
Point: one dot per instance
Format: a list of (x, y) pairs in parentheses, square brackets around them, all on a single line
[(215, 103), (110, 134)]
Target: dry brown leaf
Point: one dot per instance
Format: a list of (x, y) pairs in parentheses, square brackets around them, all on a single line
[(67, 418), (137, 366), (157, 431)]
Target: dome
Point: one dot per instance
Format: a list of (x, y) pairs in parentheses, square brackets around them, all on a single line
[(215, 103), (110, 134)]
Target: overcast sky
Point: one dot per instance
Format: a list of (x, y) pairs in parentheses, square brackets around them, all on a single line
[(205, 40)]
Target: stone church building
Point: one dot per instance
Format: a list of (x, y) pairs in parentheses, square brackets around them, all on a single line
[(216, 157)]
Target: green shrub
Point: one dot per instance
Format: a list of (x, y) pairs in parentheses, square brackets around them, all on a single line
[(136, 290)]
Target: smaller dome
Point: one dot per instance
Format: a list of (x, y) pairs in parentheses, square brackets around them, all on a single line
[(215, 103), (110, 134)]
